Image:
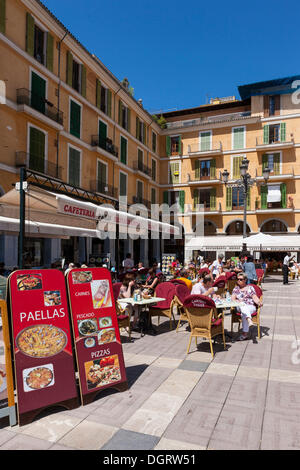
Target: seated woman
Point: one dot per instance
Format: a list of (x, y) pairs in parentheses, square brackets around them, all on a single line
[(151, 281), (205, 287), (246, 295), (183, 276), (126, 292)]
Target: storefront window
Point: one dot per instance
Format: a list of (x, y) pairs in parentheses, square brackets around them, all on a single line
[(33, 252)]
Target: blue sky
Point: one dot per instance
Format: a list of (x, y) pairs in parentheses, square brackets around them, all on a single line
[(179, 54)]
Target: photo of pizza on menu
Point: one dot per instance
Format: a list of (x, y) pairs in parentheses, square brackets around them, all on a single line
[(102, 372)]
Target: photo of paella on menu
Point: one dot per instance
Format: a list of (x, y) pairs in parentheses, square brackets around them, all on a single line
[(42, 341), (97, 339)]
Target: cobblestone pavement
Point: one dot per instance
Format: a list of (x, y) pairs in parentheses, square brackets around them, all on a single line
[(247, 397)]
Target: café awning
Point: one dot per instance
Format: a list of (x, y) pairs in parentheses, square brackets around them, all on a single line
[(59, 214)]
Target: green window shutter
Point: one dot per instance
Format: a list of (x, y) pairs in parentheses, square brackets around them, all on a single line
[(263, 196), (69, 68), (153, 196), (213, 168), (123, 184), (205, 138), (179, 145), (145, 134), (197, 169), (249, 199), (238, 138), (283, 195), (168, 145), (83, 81), (236, 166), (2, 16), (75, 119), (50, 51), (128, 120), (140, 159), (74, 167), (29, 34), (137, 128), (196, 198), (276, 162), (213, 199), (98, 93), (166, 197), (120, 112), (101, 177), (181, 200), (38, 92), (265, 159), (37, 140), (109, 100), (282, 132), (266, 134), (228, 199), (123, 150), (102, 134)]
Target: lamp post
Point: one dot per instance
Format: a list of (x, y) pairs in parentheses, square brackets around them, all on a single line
[(244, 183)]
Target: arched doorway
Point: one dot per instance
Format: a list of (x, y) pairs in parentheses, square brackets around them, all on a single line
[(209, 228), (273, 226), (236, 228)]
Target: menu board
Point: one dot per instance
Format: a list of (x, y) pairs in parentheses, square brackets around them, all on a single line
[(5, 364), (97, 338), (44, 363), (167, 260)]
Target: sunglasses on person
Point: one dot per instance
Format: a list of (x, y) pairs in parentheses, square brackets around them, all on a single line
[(240, 279)]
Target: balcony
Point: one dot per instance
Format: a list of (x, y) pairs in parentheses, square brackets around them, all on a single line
[(38, 164), (206, 207), (196, 150), (40, 104), (286, 172), (140, 200), (105, 144), (103, 188), (139, 166), (202, 179), (274, 142), (202, 121)]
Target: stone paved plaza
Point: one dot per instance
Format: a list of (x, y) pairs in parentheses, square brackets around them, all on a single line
[(247, 397)]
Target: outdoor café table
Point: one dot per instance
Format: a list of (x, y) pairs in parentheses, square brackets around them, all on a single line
[(225, 304), (141, 303)]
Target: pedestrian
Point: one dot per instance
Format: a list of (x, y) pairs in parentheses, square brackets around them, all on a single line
[(285, 267), (128, 262), (249, 269), (218, 263)]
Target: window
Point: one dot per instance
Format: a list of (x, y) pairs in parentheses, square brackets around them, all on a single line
[(101, 177), (139, 190), (272, 161), (273, 196), (75, 119), (103, 98), (102, 134), (153, 170), (140, 130), (38, 93), (123, 150), (205, 169), (205, 141), (236, 163), (173, 145), (37, 148), (174, 197), (123, 184), (33, 252), (140, 160), (153, 196), (74, 167), (271, 105), (274, 133), (174, 172), (238, 136), (205, 197), (124, 116), (273, 225), (154, 140), (237, 198), (76, 76), (39, 45)]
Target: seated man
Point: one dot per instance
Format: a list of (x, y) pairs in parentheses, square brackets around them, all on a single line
[(183, 276), (205, 287), (246, 295)]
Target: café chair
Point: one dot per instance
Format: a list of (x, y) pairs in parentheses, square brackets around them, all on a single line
[(116, 289), (231, 280), (181, 293), (204, 321), (220, 283), (164, 308), (236, 317), (260, 276), (123, 319)]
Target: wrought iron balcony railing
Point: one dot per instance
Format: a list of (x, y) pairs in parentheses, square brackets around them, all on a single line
[(103, 188), (105, 144), (39, 164), (39, 103)]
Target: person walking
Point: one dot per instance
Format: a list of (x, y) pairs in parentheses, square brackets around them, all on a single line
[(249, 269), (128, 262), (285, 267)]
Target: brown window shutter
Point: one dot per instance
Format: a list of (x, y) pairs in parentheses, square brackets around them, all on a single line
[(266, 106), (277, 105)]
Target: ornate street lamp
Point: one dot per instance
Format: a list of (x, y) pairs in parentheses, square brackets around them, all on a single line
[(244, 183)]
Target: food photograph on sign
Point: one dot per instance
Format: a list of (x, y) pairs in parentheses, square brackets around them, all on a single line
[(81, 277), (29, 281), (41, 341), (105, 322), (36, 378), (102, 372), (101, 294), (107, 335), (52, 298), (87, 327)]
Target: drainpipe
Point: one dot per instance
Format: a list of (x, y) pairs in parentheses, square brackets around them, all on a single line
[(58, 100)]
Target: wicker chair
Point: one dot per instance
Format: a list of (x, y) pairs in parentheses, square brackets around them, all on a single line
[(236, 317), (220, 283), (204, 321), (123, 319), (165, 307), (181, 293), (260, 276)]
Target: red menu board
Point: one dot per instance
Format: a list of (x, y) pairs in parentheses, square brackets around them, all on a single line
[(97, 338), (44, 363)]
